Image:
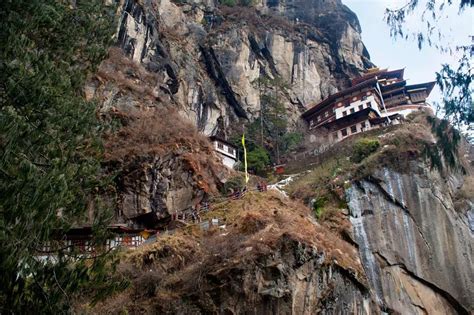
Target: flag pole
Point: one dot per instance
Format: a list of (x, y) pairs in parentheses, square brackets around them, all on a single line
[(245, 158)]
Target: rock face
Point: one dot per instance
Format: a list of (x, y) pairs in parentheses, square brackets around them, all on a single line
[(415, 244), (292, 280), (161, 167), (215, 64), (269, 257), (154, 187)]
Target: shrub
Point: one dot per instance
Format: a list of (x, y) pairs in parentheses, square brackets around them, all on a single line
[(247, 3), (233, 184), (318, 206), (291, 140), (363, 148), (229, 3), (258, 159)]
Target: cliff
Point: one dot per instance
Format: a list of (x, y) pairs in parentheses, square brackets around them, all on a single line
[(375, 226), (415, 244), (216, 64), (383, 233), (217, 67), (159, 167), (411, 221)]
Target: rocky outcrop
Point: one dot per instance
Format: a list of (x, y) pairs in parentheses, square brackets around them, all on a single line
[(292, 280), (216, 63), (154, 187), (415, 244), (268, 256), (161, 167)]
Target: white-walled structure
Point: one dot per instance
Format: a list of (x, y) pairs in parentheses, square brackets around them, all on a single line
[(225, 150)]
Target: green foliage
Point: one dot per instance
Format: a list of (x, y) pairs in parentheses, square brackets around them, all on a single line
[(229, 3), (274, 115), (318, 206), (258, 159), (446, 146), (247, 3), (456, 86), (291, 140), (233, 184), (49, 148), (364, 148)]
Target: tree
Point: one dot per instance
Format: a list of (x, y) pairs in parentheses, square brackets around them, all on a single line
[(49, 148), (455, 83), (258, 159)]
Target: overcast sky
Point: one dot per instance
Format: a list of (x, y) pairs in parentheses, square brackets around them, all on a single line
[(420, 66)]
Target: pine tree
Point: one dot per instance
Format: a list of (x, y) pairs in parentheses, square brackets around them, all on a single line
[(49, 147)]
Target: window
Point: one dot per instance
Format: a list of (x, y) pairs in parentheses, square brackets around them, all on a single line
[(352, 110), (361, 107), (344, 132), (362, 125), (319, 118), (353, 129), (220, 146), (230, 150), (354, 98), (369, 104), (335, 136), (364, 97), (344, 113), (326, 114)]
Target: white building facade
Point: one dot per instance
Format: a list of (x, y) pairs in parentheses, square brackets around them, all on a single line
[(225, 150)]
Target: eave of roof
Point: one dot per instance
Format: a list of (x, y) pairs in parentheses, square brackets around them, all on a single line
[(382, 72), (332, 97), (342, 120), (379, 120), (428, 85), (215, 138)]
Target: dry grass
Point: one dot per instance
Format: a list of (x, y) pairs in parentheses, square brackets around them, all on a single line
[(155, 132), (127, 75), (256, 22), (162, 132), (399, 145)]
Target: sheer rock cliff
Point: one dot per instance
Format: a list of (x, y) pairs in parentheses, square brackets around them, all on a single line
[(415, 239), (215, 63)]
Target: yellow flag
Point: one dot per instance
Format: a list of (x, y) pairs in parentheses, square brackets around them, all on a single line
[(245, 160)]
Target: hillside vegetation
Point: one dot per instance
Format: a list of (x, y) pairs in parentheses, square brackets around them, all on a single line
[(323, 186)]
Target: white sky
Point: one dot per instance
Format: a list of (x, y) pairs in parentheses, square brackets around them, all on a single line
[(420, 66)]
